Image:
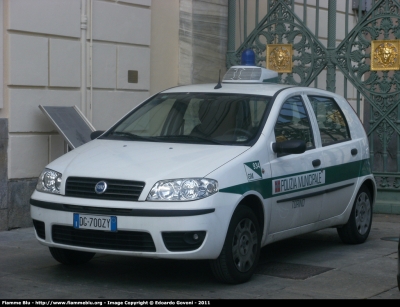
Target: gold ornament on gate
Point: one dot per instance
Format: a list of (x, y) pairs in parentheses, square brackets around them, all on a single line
[(385, 55), (279, 57)]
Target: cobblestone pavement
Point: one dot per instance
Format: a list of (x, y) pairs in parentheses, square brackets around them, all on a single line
[(312, 266)]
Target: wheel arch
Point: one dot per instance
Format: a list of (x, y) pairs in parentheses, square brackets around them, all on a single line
[(256, 205), (371, 186)]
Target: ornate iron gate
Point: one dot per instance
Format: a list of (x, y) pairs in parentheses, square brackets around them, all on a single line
[(367, 60)]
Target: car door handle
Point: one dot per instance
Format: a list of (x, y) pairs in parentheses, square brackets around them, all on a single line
[(316, 163), (354, 151)]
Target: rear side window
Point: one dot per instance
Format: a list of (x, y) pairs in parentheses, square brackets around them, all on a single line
[(332, 124)]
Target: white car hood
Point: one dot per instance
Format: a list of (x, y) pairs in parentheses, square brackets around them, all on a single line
[(143, 161)]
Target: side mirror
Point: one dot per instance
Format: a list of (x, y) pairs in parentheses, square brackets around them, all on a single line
[(96, 134), (289, 147)]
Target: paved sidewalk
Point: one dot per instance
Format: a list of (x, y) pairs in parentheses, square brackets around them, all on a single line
[(312, 266)]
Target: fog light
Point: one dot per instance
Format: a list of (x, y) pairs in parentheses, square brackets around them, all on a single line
[(180, 241), (193, 237)]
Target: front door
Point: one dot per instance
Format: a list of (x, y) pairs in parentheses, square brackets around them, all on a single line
[(296, 177)]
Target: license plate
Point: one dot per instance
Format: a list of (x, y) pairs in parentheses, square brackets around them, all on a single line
[(97, 222)]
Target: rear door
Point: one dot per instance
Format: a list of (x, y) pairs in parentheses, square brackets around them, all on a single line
[(341, 154)]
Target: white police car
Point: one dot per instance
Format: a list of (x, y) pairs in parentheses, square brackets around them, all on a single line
[(211, 172)]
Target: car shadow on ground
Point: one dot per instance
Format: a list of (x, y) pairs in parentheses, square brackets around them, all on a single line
[(127, 270)]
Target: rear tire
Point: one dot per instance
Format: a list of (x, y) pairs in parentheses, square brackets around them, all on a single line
[(70, 257), (241, 250), (357, 229)]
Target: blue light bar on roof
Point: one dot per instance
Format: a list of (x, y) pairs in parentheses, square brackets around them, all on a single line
[(248, 58)]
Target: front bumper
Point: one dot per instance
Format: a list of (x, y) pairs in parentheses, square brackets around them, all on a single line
[(139, 224)]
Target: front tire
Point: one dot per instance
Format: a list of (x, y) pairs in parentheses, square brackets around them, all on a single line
[(357, 229), (241, 250), (70, 257)]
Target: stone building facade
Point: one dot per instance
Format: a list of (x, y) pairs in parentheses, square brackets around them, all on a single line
[(78, 53)]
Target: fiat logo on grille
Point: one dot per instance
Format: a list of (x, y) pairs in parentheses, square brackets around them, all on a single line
[(100, 187)]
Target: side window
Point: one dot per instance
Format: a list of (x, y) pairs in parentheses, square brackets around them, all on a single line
[(332, 124), (293, 123)]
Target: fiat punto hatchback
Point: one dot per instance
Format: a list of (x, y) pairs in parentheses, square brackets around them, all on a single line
[(211, 172)]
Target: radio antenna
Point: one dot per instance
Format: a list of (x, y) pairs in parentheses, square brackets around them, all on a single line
[(219, 81)]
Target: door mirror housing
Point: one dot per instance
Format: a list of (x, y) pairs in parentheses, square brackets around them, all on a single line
[(96, 134), (289, 147)]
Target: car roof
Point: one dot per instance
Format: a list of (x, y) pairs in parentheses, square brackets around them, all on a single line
[(267, 89)]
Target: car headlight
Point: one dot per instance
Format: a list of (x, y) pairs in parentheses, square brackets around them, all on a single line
[(183, 189), (49, 181)]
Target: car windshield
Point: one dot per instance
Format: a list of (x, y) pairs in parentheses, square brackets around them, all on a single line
[(228, 119)]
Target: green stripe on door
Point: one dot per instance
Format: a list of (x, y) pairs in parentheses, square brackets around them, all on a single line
[(334, 174)]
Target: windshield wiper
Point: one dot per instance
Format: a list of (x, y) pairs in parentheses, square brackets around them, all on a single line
[(190, 137), (132, 136)]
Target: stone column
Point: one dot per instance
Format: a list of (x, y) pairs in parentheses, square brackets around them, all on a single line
[(203, 32), (3, 174)]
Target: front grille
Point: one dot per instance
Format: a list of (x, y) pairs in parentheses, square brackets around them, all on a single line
[(116, 189), (121, 240), (40, 229)]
